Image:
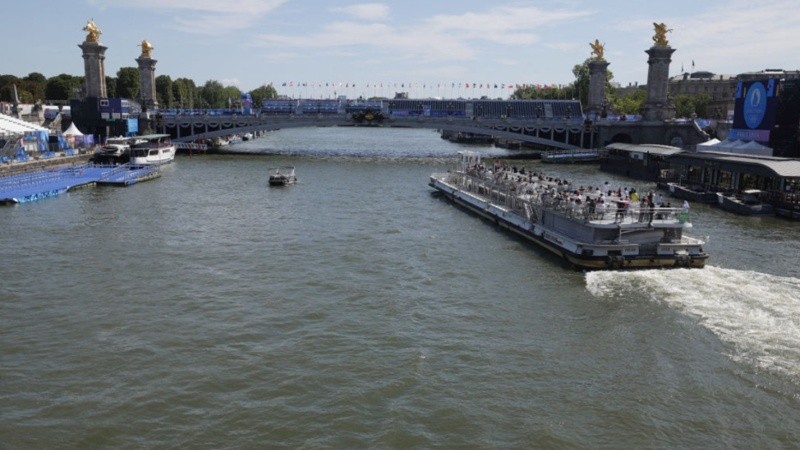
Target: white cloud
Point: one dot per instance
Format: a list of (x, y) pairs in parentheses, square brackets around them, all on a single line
[(211, 17), (365, 11), (443, 37)]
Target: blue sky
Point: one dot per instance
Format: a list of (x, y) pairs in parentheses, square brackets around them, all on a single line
[(379, 46)]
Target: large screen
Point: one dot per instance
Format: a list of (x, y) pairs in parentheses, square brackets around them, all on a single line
[(754, 112)]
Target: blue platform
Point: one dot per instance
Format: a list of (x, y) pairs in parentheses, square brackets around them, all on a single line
[(28, 187)]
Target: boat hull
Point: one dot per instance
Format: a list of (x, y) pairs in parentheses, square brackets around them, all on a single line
[(685, 193), (734, 205), (559, 245)]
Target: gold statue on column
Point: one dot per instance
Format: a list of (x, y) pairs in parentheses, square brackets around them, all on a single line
[(597, 50), (93, 31), (147, 47), (660, 38)]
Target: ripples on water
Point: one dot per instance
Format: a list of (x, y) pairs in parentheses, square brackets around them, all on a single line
[(355, 309)]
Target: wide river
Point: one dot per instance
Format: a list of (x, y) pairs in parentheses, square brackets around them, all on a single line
[(354, 309)]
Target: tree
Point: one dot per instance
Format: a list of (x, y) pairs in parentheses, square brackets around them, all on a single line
[(212, 95), (164, 91), (231, 95), (261, 93), (629, 103), (128, 82), (111, 87), (62, 87), (184, 92), (7, 83)]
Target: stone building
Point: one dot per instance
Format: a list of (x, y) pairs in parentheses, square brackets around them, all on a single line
[(720, 89)]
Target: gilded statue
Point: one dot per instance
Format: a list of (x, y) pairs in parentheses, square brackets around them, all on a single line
[(93, 31), (146, 48), (597, 50), (660, 38)]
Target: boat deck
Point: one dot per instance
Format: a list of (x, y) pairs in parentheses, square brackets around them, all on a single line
[(28, 187)]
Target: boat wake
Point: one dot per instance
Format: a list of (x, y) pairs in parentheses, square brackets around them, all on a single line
[(758, 314)]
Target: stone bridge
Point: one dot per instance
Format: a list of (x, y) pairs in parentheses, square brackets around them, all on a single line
[(558, 134)]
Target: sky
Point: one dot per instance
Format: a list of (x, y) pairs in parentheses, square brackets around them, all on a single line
[(429, 48)]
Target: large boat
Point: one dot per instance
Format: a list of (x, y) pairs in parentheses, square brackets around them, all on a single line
[(282, 176), (153, 149), (579, 227), (747, 203)]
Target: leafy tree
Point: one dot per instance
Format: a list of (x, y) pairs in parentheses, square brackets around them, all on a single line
[(62, 87), (184, 92), (7, 83), (261, 93), (212, 95), (164, 91), (128, 82), (629, 103), (111, 87), (686, 105), (231, 93)]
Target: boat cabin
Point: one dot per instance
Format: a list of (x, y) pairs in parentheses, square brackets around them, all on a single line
[(639, 161)]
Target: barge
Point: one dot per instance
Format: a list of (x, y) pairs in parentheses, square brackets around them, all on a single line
[(589, 229)]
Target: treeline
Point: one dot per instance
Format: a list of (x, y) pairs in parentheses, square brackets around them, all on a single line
[(627, 101), (178, 93)]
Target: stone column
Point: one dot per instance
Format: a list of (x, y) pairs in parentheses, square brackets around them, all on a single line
[(658, 106), (94, 56), (147, 82), (597, 85)]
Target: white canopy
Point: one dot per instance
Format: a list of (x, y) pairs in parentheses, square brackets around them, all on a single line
[(73, 130)]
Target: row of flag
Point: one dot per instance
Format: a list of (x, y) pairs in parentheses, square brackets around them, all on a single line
[(453, 85)]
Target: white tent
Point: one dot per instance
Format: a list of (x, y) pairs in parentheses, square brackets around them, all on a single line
[(73, 130)]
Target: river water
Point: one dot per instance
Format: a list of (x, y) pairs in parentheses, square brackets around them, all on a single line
[(204, 309)]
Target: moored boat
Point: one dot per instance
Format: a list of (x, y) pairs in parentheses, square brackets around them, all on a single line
[(281, 176), (748, 203), (153, 149), (579, 227), (692, 193)]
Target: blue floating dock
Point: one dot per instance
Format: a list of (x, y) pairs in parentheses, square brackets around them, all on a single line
[(28, 187)]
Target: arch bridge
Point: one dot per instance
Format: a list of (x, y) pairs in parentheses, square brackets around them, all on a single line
[(555, 124)]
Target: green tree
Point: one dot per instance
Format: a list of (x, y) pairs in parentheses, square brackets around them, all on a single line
[(62, 87), (164, 91), (7, 83), (261, 93), (184, 92), (111, 87), (231, 95), (630, 102), (128, 82), (212, 94), (35, 83)]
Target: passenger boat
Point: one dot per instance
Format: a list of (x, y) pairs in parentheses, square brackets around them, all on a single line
[(282, 176), (579, 228), (153, 149), (748, 203)]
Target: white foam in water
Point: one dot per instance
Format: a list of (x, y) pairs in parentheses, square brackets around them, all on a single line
[(758, 314)]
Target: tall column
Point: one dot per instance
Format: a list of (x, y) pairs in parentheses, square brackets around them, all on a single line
[(658, 106), (94, 56), (147, 77), (597, 85)]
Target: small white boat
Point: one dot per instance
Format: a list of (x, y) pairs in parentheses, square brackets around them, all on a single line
[(153, 149), (114, 147), (282, 176)]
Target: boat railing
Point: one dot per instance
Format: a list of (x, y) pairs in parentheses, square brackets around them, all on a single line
[(531, 205)]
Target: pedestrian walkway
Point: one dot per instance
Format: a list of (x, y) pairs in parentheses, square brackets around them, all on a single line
[(28, 187)]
